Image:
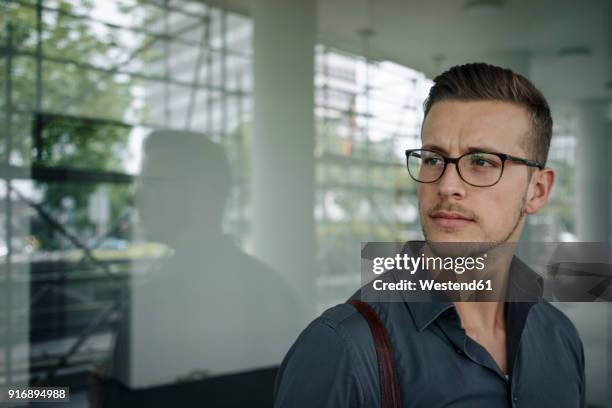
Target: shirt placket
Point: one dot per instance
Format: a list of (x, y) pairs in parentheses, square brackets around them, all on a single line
[(450, 326)]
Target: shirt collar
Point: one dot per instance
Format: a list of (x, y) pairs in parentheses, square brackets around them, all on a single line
[(525, 285)]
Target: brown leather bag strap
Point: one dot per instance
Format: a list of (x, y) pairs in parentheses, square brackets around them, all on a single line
[(390, 396)]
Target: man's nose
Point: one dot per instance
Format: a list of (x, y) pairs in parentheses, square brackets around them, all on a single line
[(451, 184)]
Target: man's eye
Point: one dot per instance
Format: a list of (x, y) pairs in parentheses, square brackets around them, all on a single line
[(432, 161), (480, 161)]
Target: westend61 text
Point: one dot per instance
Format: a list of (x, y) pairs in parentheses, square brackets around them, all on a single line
[(431, 284)]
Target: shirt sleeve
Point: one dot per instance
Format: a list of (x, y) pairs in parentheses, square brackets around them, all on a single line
[(318, 371)]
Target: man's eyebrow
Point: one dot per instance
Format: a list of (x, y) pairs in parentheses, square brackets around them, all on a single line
[(475, 149), (471, 149), (434, 148)]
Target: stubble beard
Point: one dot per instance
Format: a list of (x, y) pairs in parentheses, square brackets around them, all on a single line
[(478, 248)]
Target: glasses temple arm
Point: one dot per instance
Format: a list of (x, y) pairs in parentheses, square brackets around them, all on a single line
[(531, 163)]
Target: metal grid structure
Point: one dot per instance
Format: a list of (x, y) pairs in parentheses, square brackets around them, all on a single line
[(172, 50), (368, 112)]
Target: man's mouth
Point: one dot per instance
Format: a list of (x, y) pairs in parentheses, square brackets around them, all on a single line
[(450, 219)]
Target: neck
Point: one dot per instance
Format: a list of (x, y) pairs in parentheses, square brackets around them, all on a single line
[(481, 316)]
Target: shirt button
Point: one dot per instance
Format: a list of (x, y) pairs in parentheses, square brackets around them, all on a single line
[(460, 352), (515, 398)]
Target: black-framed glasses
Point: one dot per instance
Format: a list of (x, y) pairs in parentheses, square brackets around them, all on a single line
[(479, 169)]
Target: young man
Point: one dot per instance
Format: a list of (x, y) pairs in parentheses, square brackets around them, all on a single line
[(485, 137)]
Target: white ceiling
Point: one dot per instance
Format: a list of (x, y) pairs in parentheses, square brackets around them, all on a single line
[(433, 35), (540, 38)]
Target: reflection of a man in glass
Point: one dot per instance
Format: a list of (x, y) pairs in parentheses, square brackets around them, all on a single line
[(211, 309)]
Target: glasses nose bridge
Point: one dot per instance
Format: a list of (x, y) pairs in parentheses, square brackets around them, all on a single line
[(451, 160), (454, 160)]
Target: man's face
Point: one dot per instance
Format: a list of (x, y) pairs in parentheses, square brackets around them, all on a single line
[(486, 214)]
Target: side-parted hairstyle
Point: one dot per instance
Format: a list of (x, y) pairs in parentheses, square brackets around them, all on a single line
[(480, 81)]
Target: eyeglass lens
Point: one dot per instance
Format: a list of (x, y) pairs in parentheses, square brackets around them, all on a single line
[(479, 169)]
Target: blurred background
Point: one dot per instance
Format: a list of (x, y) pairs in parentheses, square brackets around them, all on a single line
[(186, 184)]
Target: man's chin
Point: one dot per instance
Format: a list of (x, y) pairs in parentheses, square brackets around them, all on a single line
[(437, 234), (456, 243)]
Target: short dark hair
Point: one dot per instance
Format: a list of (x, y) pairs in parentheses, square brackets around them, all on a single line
[(480, 81)]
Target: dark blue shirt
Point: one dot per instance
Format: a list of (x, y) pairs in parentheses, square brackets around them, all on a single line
[(333, 362)]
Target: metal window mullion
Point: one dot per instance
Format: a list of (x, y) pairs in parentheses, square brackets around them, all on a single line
[(368, 176), (326, 123), (209, 74), (196, 72), (224, 100), (92, 67), (167, 7), (167, 116), (156, 35), (8, 278), (39, 78), (112, 122)]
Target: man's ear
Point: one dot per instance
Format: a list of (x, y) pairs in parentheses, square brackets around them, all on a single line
[(539, 189)]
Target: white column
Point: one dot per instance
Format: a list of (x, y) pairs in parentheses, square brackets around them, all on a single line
[(592, 186), (283, 143), (593, 189)]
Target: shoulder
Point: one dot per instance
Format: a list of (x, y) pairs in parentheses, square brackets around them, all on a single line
[(331, 356), (339, 327), (551, 316), (344, 319), (336, 324), (553, 321)]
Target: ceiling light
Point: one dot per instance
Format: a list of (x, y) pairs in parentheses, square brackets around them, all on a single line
[(483, 6), (574, 51)]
